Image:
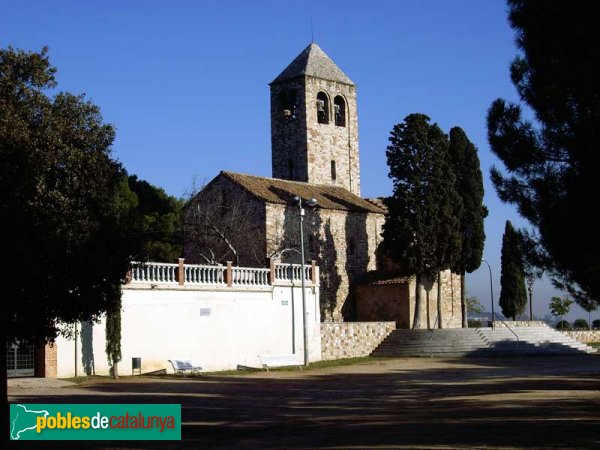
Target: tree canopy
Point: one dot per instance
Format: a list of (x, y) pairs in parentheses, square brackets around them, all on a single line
[(552, 160), (64, 204), (158, 222), (469, 185), (560, 306), (421, 232), (513, 296)]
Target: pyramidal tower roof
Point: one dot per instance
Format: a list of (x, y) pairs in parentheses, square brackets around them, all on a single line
[(313, 62)]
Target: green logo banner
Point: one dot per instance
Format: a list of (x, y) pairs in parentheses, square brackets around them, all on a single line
[(94, 422)]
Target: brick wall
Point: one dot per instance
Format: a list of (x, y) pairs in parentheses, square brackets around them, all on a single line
[(352, 339), (45, 361)]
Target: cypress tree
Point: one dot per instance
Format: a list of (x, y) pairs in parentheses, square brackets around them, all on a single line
[(113, 336), (421, 232), (513, 296), (469, 184)]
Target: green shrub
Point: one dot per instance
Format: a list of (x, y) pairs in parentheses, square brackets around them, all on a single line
[(475, 323), (563, 325), (581, 324), (596, 323)]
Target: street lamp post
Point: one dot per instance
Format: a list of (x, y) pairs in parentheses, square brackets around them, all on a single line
[(311, 202), (491, 292), (530, 289)]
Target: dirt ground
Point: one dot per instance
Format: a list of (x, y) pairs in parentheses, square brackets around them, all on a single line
[(506, 403)]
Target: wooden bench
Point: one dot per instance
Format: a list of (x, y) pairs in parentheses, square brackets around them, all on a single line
[(279, 361), (180, 366)]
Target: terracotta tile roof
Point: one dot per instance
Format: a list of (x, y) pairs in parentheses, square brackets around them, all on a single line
[(274, 190), (377, 278), (313, 62), (379, 202)]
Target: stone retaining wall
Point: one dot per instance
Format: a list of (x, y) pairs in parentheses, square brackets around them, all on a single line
[(584, 335), (352, 339), (522, 323)]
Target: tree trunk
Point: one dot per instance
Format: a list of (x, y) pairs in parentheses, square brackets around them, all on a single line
[(463, 301), (417, 317), (115, 370), (439, 300)]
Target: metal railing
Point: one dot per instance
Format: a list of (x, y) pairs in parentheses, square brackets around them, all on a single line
[(507, 326), (431, 337)]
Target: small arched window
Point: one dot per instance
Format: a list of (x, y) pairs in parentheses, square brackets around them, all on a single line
[(339, 109), (333, 171), (322, 108)]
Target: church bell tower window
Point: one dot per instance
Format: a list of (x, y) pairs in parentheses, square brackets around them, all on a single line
[(322, 108), (287, 100), (339, 108)]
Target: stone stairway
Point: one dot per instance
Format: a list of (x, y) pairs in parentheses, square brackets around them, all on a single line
[(532, 341), (539, 340), (447, 342)]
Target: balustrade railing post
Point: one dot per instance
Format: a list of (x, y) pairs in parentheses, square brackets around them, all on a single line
[(271, 265), (181, 272), (229, 274)]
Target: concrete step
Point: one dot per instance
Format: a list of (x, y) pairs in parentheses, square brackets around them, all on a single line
[(480, 342)]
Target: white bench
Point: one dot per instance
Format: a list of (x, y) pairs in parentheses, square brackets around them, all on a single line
[(279, 361), (180, 366)]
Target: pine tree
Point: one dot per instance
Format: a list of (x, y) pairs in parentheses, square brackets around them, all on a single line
[(421, 232), (469, 184), (552, 162), (513, 296)]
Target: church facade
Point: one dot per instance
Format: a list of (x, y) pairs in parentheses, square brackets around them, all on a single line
[(315, 155)]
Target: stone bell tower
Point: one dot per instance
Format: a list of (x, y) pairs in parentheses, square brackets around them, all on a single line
[(314, 123)]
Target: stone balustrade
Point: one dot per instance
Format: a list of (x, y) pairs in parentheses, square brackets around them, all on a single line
[(293, 273), (195, 275)]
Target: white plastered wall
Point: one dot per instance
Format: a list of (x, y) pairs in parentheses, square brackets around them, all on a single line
[(217, 329)]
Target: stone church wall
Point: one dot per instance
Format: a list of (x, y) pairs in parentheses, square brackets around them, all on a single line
[(343, 244), (328, 142), (289, 134), (239, 215)]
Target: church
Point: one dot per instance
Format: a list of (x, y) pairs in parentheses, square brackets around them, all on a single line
[(315, 155)]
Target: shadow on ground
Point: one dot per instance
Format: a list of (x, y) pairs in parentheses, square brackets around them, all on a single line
[(456, 403)]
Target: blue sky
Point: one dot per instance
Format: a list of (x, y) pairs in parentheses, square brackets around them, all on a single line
[(186, 82)]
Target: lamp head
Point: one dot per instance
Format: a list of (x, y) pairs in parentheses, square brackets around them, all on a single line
[(311, 202)]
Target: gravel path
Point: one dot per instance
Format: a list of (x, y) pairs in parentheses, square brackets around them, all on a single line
[(505, 403)]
